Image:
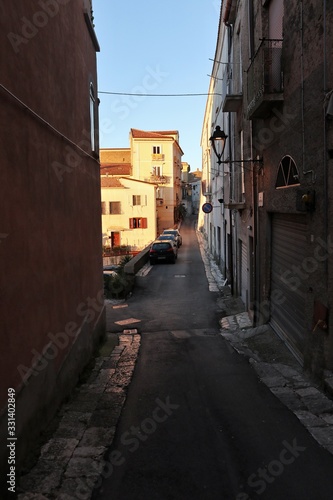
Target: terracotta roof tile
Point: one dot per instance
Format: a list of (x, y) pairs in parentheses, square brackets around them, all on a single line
[(116, 168), (111, 182), (115, 155), (142, 134)]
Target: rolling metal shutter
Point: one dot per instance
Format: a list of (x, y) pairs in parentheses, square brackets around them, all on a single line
[(243, 273), (287, 287)]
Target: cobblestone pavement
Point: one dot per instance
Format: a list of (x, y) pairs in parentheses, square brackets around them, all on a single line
[(72, 461)]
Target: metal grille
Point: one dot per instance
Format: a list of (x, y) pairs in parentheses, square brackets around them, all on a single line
[(265, 73)]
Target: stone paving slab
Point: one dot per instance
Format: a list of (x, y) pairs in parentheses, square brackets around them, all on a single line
[(283, 375), (272, 361), (72, 460)]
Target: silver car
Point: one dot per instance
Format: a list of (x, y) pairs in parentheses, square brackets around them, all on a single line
[(176, 233)]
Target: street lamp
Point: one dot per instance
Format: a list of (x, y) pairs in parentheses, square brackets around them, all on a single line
[(221, 137)]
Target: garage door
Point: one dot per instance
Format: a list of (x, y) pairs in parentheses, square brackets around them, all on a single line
[(287, 286), (243, 285)]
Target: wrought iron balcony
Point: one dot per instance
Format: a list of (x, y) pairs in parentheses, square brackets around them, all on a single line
[(265, 79)]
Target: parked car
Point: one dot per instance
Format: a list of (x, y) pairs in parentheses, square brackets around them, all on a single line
[(177, 234), (169, 237), (162, 251)]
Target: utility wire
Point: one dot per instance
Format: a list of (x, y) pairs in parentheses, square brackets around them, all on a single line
[(158, 95)]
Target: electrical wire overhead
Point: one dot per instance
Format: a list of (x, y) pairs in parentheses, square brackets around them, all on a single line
[(159, 95)]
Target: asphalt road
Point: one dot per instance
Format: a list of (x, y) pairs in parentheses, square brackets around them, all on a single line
[(198, 424)]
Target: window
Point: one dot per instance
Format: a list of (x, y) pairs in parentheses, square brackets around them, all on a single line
[(287, 173), (157, 171), (93, 127), (138, 222), (115, 207), (156, 150), (137, 199), (111, 207)]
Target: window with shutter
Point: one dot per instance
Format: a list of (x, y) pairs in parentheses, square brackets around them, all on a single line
[(136, 199), (138, 223), (144, 223)]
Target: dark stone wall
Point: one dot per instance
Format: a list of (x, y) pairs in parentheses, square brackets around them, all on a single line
[(299, 128), (51, 306)]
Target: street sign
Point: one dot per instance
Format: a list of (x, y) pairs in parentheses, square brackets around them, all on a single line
[(207, 208)]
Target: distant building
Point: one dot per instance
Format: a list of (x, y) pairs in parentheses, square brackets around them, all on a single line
[(128, 213), (191, 184), (196, 196), (52, 305), (143, 184), (156, 157)]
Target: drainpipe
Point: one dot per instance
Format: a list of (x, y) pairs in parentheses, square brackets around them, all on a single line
[(256, 270), (303, 98), (232, 280), (325, 186)]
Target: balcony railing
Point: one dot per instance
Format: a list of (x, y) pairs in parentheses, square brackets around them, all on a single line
[(157, 157), (265, 79), (158, 179)]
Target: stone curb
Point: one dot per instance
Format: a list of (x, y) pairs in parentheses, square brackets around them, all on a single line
[(294, 389), (287, 382), (71, 463)]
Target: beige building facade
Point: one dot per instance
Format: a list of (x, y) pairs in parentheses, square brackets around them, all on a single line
[(156, 158), (128, 212), (141, 188)]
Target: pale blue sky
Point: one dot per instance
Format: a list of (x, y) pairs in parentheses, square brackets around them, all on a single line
[(156, 48)]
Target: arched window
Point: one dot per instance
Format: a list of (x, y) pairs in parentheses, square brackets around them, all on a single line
[(287, 173)]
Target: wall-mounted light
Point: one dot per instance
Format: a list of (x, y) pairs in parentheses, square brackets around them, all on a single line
[(221, 137)]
